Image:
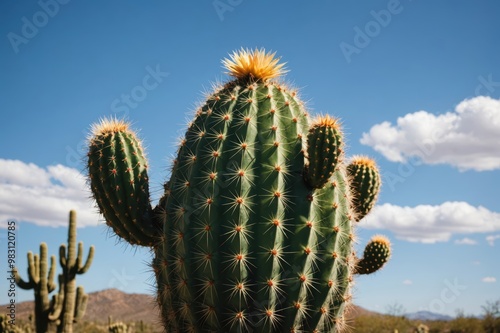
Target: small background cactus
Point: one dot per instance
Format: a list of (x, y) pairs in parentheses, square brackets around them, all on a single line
[(255, 229), (119, 327), (69, 304), (6, 327)]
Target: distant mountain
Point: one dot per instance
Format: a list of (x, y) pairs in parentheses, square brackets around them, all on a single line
[(110, 302), (121, 307), (132, 307), (356, 311), (427, 315)]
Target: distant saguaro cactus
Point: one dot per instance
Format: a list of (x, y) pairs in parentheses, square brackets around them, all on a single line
[(72, 302), (69, 304), (6, 327), (119, 327), (41, 280)]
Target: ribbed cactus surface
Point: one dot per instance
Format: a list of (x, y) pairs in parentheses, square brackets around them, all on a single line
[(256, 221), (129, 183), (365, 184), (376, 254)]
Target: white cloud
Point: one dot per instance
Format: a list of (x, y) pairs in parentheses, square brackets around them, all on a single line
[(467, 138), (489, 279), (44, 196), (431, 224), (465, 241), (491, 239), (408, 282)]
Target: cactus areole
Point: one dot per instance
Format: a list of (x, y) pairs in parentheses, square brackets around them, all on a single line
[(254, 232)]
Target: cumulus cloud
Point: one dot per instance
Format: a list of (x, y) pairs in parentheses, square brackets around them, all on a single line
[(467, 138), (44, 196), (465, 241), (408, 282), (489, 279), (491, 239), (431, 224)]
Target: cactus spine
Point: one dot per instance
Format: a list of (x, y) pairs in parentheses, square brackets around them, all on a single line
[(69, 304), (255, 229)]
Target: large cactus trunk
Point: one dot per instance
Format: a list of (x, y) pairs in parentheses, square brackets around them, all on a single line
[(248, 243)]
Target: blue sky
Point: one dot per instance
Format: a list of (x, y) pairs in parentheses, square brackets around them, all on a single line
[(416, 84)]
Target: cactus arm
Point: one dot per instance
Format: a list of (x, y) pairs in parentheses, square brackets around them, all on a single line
[(30, 284), (119, 181), (56, 308), (79, 256), (34, 269), (26, 285), (376, 254), (324, 148), (52, 272), (365, 184), (57, 301), (62, 256), (83, 269), (80, 304)]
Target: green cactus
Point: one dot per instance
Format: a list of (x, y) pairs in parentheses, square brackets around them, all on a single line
[(422, 328), (119, 327), (376, 254), (41, 280), (324, 148), (365, 184), (6, 327), (255, 229), (69, 304), (128, 210)]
